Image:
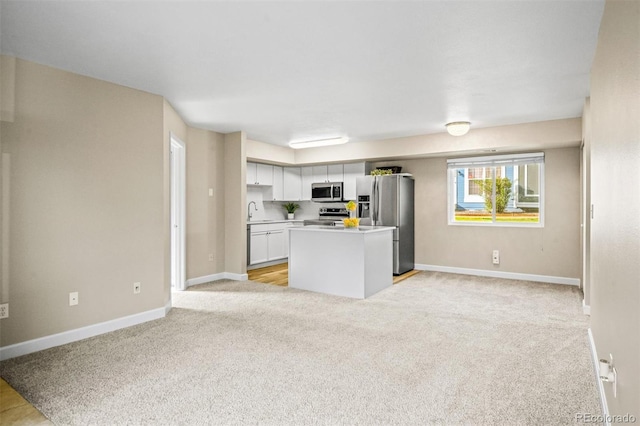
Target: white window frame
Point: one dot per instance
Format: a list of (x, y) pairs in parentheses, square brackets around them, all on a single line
[(516, 202), (494, 161), (472, 198)]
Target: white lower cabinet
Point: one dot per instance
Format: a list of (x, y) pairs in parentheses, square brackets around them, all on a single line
[(259, 244), (268, 242), (275, 242)]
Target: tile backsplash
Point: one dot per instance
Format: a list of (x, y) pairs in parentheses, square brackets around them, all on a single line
[(273, 210)]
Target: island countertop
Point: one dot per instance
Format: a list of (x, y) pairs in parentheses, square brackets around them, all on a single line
[(360, 229), (348, 262)]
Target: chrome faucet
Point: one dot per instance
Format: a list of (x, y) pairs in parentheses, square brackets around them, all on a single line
[(249, 209)]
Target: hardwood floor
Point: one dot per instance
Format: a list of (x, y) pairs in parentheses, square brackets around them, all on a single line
[(397, 279), (279, 275), (275, 274), (15, 410)]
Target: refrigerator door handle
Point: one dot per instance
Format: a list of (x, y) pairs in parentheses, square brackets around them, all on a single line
[(372, 198), (375, 194), (378, 201)]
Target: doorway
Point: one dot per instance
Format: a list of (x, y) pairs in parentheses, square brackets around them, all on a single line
[(178, 197)]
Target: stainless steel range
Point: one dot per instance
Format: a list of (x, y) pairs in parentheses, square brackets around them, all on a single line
[(329, 216)]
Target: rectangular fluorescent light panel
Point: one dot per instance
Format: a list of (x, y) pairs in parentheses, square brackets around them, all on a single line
[(320, 142)]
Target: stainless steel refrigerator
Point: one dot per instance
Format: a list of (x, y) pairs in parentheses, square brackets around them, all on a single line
[(389, 201)]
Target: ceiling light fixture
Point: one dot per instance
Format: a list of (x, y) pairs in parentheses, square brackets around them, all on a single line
[(458, 128), (319, 142)]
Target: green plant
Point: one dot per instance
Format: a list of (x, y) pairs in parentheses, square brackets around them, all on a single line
[(381, 172), (503, 193), (291, 207)]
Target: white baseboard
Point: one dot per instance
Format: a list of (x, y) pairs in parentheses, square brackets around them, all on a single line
[(586, 309), (236, 277), (216, 277), (596, 369), (167, 308), (65, 337), (500, 274)]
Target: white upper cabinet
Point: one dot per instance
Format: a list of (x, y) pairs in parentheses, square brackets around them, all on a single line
[(319, 173), (307, 180), (278, 184), (264, 174), (292, 183), (252, 176), (335, 173), (351, 172), (330, 173), (259, 174)]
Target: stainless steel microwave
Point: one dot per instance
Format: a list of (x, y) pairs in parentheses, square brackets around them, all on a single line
[(326, 192)]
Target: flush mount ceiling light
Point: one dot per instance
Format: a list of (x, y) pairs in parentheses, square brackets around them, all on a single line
[(458, 128), (319, 142)]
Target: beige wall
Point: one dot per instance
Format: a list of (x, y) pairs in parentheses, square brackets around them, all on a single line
[(615, 228), (172, 125), (585, 202), (235, 203), (518, 137), (553, 250), (205, 214), (86, 202), (205, 226), (7, 87), (89, 181), (513, 138), (267, 153)]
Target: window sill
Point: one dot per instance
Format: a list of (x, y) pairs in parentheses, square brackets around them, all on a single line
[(499, 224)]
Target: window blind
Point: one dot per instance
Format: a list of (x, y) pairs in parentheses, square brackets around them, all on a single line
[(496, 160)]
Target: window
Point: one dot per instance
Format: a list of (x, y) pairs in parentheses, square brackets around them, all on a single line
[(473, 182), (528, 184), (498, 190)]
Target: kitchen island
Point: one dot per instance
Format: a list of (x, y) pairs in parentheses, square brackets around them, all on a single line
[(349, 262)]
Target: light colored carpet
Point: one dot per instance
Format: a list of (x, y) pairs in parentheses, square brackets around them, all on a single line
[(434, 349)]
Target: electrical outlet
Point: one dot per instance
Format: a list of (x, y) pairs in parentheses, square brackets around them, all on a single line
[(210, 257), (137, 288), (496, 257), (73, 298), (4, 310)]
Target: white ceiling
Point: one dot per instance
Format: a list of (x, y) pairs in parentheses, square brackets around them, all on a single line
[(285, 71)]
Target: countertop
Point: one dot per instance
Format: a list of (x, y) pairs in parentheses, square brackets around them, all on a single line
[(267, 221), (360, 229)]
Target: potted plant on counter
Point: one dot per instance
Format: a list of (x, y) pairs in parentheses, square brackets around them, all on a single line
[(291, 209)]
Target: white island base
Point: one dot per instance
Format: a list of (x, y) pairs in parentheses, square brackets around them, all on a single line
[(344, 262)]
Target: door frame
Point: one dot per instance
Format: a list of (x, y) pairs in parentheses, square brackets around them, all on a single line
[(178, 212)]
